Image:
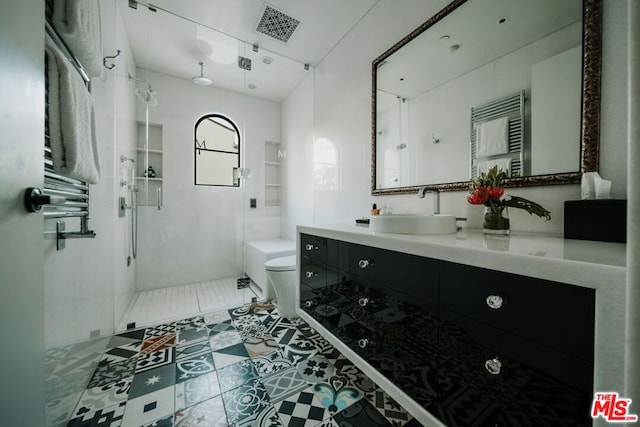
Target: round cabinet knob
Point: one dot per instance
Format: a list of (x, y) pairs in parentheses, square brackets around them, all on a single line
[(495, 301), (363, 302), (493, 366), (310, 274), (363, 342), (311, 247), (364, 263), (308, 303)]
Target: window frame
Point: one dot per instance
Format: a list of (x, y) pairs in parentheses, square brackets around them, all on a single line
[(197, 148)]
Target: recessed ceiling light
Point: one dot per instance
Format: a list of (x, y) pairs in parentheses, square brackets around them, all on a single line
[(252, 86), (454, 47), (502, 20), (267, 60), (445, 37)]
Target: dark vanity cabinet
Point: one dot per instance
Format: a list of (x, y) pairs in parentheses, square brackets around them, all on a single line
[(513, 350), (474, 347), (381, 304)]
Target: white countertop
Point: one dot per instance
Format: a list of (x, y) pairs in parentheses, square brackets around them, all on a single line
[(578, 262)]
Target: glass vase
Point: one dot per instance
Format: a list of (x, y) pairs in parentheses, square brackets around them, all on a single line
[(496, 220)]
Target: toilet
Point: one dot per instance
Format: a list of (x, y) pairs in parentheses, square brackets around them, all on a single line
[(256, 253), (281, 276)]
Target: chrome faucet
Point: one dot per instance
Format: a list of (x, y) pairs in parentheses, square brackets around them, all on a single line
[(436, 198)]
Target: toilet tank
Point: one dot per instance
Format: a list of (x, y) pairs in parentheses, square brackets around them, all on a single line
[(257, 252)]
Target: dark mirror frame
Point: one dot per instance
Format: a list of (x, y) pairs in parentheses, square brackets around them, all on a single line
[(590, 126)]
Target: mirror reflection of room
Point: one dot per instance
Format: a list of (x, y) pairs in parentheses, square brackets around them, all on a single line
[(478, 56)]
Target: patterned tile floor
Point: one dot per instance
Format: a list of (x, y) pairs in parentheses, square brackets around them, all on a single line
[(242, 367)]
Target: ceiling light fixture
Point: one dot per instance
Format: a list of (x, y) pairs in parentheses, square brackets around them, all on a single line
[(201, 80)]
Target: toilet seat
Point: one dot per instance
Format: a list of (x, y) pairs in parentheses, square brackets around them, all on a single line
[(285, 263)]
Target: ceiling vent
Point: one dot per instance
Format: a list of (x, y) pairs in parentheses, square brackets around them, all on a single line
[(244, 63), (276, 24)]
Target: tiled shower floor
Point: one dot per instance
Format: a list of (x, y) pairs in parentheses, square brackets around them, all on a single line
[(246, 366)]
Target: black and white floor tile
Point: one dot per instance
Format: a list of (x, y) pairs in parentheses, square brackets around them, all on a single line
[(242, 367)]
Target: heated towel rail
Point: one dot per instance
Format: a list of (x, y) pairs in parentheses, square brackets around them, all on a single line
[(511, 106), (61, 196)]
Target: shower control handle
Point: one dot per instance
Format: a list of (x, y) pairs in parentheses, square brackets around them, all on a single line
[(159, 198)]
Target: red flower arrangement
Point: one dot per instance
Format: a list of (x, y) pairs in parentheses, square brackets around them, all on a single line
[(488, 189)]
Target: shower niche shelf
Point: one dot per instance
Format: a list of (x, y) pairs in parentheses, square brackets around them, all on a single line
[(272, 157), (150, 189)]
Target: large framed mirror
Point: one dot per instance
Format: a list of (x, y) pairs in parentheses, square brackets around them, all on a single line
[(513, 83)]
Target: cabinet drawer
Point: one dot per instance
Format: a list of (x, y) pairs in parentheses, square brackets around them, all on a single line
[(491, 377), (412, 275), (313, 275), (326, 306), (400, 342), (313, 248), (554, 314)]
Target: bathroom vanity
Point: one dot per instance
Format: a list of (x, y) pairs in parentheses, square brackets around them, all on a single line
[(464, 329)]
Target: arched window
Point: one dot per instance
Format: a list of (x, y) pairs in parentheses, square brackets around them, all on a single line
[(216, 151)]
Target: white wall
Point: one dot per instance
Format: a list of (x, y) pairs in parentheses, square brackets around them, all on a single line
[(342, 112), (297, 143), (198, 233), (555, 112), (88, 285), (21, 274)]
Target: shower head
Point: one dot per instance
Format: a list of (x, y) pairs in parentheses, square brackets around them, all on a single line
[(148, 96), (201, 80)]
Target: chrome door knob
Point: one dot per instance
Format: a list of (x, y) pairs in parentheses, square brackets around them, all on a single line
[(308, 303), (363, 302), (310, 274), (311, 247), (493, 366), (495, 301), (364, 263), (363, 342)]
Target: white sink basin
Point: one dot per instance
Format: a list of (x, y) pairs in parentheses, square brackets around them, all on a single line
[(413, 224)]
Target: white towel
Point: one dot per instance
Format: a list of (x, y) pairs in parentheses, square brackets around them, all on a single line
[(504, 164), (492, 138), (78, 23), (72, 135)]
